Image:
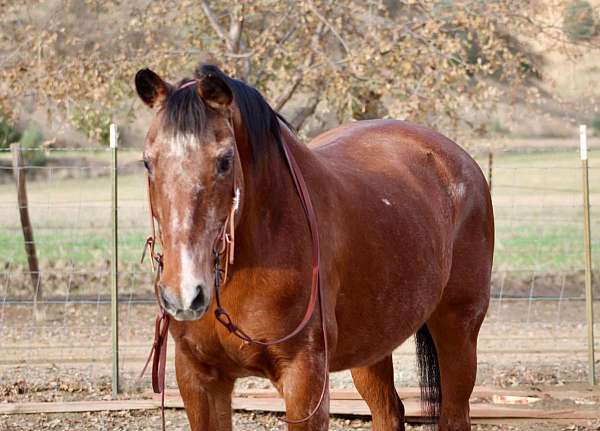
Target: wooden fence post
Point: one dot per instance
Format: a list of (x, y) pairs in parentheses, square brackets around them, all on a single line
[(19, 172), (587, 246)]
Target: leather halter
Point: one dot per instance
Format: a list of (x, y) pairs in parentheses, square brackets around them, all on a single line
[(224, 247)]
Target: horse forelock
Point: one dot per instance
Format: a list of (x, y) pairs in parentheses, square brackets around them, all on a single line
[(186, 115), (184, 112)]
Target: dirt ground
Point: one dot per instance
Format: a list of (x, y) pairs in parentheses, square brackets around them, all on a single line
[(66, 356)]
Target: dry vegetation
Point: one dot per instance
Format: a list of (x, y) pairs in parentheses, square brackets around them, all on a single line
[(456, 64)]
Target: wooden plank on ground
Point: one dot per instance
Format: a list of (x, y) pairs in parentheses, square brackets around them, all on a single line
[(479, 393), (349, 402), (76, 406), (481, 412), (413, 409)]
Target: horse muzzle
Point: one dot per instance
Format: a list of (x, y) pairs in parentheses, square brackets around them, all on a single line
[(195, 309)]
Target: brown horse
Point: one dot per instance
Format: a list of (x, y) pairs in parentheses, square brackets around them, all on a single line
[(406, 232)]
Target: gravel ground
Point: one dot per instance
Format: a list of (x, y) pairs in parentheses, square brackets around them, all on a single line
[(176, 421)]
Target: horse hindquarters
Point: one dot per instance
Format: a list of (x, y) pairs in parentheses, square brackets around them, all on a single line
[(455, 323)]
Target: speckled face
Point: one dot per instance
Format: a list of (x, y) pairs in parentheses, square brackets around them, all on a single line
[(191, 183)]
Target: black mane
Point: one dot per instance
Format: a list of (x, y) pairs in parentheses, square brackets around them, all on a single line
[(185, 111)]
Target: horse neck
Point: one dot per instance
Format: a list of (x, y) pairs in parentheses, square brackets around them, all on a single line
[(272, 210)]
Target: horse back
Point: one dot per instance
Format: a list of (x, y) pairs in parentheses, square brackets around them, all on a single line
[(380, 160)]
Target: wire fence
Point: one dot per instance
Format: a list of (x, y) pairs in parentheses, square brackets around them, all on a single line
[(535, 327), (69, 202)]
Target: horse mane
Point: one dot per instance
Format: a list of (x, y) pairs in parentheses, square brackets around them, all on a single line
[(185, 112)]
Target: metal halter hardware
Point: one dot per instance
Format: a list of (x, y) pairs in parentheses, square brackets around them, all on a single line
[(224, 246)]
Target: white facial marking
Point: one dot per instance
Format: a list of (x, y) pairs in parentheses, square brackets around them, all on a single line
[(211, 216), (385, 201), (181, 143), (188, 221), (189, 279), (175, 223)]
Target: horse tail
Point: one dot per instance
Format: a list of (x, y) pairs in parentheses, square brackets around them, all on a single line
[(429, 373)]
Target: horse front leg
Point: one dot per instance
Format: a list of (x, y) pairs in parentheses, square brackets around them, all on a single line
[(207, 400), (301, 384)]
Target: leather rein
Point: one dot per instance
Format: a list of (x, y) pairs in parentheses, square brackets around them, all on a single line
[(223, 249)]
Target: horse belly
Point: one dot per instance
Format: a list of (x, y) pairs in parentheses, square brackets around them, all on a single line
[(389, 287), (372, 330)]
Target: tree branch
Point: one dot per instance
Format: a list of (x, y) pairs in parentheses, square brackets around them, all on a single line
[(339, 37), (306, 112), (236, 25), (233, 38), (214, 23), (284, 97), (324, 20)]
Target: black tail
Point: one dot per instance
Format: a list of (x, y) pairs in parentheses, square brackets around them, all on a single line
[(429, 373)]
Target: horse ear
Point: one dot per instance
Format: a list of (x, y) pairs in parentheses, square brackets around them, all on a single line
[(213, 89), (151, 88)]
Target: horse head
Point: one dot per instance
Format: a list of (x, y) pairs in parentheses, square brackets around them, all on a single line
[(190, 158)]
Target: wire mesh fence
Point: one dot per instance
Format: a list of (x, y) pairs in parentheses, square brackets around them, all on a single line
[(535, 327), (537, 316), (69, 202)]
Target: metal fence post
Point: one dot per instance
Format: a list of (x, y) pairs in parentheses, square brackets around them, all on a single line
[(114, 270), (587, 245), (490, 167)]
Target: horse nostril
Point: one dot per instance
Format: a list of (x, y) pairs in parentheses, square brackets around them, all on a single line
[(199, 301), (166, 298)]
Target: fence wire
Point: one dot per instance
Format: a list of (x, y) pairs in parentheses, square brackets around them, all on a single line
[(535, 327)]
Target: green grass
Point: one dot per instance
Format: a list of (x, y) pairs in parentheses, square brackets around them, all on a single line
[(79, 248), (538, 206), (72, 219), (537, 199)]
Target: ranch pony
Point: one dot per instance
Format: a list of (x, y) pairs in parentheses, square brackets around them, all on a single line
[(286, 262)]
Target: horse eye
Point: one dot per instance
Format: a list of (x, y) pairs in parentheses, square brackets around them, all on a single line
[(147, 164), (224, 163)]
